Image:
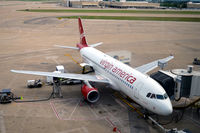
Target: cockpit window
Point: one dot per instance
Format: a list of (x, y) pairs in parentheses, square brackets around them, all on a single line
[(148, 95), (165, 96), (159, 96), (153, 96)]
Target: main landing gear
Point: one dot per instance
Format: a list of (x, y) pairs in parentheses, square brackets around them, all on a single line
[(57, 88)]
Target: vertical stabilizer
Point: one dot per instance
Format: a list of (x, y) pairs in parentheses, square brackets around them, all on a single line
[(83, 42)]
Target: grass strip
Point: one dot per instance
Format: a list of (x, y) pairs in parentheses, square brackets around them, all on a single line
[(112, 11), (182, 19)]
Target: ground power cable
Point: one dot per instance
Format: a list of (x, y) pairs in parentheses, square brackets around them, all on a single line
[(36, 100)]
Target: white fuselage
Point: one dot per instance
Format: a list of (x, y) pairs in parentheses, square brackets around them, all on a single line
[(133, 83)]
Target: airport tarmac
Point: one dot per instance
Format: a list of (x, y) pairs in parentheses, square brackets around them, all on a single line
[(26, 42)]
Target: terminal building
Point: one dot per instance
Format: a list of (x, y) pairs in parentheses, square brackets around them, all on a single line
[(145, 4), (112, 4)]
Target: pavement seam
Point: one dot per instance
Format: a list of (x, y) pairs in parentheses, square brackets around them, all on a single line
[(2, 125)]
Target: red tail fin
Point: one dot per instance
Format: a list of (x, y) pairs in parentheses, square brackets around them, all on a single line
[(83, 42)]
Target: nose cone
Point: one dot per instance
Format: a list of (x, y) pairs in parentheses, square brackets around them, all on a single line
[(166, 108)]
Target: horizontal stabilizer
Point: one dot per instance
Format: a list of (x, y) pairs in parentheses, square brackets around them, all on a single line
[(96, 44), (69, 47)]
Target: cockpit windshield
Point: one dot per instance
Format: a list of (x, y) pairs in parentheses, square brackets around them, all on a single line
[(157, 96), (149, 94), (153, 96), (165, 96)]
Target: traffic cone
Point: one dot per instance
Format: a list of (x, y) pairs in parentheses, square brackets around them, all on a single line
[(115, 129)]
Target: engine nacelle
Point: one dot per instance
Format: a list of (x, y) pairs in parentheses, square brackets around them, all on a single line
[(90, 94)]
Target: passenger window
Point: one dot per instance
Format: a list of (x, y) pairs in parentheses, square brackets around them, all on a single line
[(153, 96), (148, 95)]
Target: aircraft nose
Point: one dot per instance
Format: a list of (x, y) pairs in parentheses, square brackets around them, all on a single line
[(167, 109)]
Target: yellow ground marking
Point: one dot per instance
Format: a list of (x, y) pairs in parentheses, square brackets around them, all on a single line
[(73, 59), (130, 105)]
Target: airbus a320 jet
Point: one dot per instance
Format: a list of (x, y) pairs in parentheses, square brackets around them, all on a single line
[(134, 82)]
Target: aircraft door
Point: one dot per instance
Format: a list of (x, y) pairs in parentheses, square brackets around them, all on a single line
[(138, 90)]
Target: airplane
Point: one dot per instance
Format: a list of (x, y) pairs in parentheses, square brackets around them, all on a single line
[(134, 82)]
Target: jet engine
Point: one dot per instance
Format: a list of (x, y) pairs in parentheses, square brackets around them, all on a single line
[(90, 93)]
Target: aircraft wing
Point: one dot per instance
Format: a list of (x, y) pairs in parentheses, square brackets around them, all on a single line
[(152, 65), (95, 78)]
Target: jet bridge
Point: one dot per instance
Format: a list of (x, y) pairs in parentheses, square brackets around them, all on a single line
[(179, 82)]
